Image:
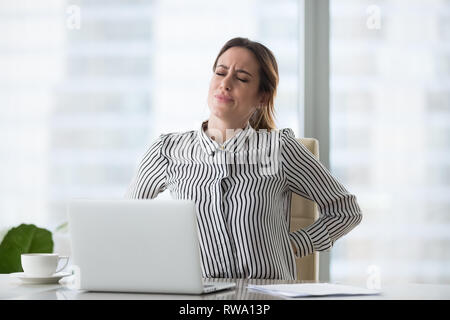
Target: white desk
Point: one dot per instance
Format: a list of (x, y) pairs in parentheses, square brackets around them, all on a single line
[(11, 288)]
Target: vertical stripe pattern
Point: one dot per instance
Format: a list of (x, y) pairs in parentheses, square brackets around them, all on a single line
[(242, 192)]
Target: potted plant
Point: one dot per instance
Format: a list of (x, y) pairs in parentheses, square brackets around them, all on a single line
[(26, 238)]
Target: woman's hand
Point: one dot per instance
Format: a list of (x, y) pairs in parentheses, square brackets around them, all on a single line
[(294, 247)]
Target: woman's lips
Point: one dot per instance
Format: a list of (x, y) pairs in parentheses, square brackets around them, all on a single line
[(223, 98)]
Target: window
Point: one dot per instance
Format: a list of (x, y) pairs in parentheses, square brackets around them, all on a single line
[(390, 137), (87, 85)]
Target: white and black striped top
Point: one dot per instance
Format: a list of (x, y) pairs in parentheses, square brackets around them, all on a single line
[(242, 192)]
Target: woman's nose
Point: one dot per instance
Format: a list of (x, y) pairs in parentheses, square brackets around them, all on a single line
[(225, 83)]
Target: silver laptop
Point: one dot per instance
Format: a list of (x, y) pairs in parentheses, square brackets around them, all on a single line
[(137, 246)]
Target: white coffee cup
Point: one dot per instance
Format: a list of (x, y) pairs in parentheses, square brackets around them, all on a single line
[(42, 264)]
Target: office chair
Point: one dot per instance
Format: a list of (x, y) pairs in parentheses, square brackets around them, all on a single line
[(303, 213)]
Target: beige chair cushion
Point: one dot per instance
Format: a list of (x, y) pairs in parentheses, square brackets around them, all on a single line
[(303, 213)]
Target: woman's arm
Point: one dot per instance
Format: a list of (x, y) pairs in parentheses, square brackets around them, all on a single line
[(307, 177), (150, 178)]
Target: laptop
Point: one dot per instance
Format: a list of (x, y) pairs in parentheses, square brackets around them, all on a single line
[(146, 246)]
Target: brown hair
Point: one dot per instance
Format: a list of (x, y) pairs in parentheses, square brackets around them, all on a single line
[(263, 118)]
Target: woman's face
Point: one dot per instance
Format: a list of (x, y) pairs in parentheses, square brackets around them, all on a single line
[(233, 91)]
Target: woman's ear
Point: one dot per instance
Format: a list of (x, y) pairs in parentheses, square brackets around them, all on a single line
[(263, 99)]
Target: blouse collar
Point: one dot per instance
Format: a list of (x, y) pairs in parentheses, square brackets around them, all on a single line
[(234, 144)]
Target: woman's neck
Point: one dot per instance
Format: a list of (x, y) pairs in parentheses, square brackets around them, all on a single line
[(221, 131)]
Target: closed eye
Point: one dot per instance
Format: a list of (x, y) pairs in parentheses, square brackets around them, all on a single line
[(222, 74)]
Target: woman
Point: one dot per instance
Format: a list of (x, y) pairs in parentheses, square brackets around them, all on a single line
[(240, 171)]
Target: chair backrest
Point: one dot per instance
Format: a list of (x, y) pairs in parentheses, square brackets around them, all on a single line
[(303, 213)]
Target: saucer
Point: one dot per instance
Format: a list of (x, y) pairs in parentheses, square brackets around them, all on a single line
[(40, 280)]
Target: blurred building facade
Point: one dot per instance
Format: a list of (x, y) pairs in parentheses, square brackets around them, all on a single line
[(87, 85), (390, 137)]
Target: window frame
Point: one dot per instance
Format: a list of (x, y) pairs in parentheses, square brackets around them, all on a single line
[(314, 87)]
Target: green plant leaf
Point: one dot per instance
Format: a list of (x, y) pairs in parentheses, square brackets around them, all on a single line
[(62, 228), (26, 238)]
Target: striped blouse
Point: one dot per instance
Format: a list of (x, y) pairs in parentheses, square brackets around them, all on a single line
[(242, 190)]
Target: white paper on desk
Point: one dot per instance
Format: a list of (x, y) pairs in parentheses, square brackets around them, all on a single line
[(312, 290)]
